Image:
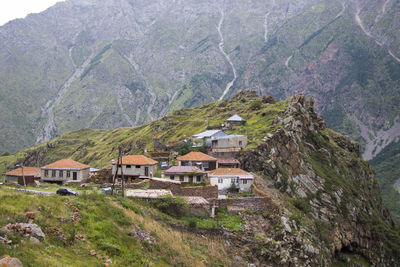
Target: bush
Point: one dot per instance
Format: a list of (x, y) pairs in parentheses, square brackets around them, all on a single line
[(172, 206), (192, 224), (5, 154), (256, 104)]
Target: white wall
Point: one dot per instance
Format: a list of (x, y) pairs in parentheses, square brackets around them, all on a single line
[(227, 183)]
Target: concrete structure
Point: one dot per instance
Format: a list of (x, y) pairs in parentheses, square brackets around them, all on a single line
[(198, 159), (228, 163), (148, 194), (65, 170), (228, 143), (234, 120), (205, 137), (224, 178), (185, 174), (15, 176), (135, 167)]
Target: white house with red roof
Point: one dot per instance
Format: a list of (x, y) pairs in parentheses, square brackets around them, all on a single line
[(224, 178), (65, 170), (136, 167)]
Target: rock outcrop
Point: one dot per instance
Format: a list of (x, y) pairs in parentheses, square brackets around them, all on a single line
[(326, 179)]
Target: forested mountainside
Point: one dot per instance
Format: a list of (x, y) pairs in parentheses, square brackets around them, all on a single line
[(111, 63), (330, 208)]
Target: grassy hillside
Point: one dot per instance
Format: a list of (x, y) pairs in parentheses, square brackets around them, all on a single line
[(109, 227), (98, 147)]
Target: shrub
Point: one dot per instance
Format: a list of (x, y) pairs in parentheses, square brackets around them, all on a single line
[(172, 206), (5, 154), (256, 104), (192, 224)]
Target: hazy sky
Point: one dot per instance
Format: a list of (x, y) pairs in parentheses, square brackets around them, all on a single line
[(12, 9)]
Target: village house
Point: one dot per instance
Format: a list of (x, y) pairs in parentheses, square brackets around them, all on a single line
[(234, 120), (17, 176), (205, 137), (228, 163), (198, 159), (65, 170), (228, 143), (225, 178), (135, 167), (185, 174)]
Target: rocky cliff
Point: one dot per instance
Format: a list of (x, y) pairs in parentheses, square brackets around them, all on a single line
[(323, 176)]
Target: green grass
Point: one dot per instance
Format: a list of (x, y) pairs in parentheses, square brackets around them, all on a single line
[(106, 225)]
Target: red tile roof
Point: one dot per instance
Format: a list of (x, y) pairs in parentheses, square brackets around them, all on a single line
[(66, 164), (196, 156), (136, 160), (230, 171), (28, 171)]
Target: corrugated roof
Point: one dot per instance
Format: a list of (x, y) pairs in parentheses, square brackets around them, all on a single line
[(228, 161), (196, 156), (235, 118), (136, 160), (28, 171), (196, 200), (207, 133), (231, 172), (148, 193), (66, 164), (164, 180), (183, 169)]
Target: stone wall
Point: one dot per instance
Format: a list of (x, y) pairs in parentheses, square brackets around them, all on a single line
[(207, 191), (250, 203)]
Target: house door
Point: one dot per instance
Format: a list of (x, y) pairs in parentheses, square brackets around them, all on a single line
[(146, 171), (75, 175)]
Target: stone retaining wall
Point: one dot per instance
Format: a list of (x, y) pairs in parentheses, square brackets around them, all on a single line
[(250, 203), (206, 191)]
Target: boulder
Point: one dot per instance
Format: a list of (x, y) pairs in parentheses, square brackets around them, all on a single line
[(7, 261)]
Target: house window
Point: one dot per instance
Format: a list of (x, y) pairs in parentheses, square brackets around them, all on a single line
[(205, 164), (68, 174), (53, 173), (233, 180), (60, 173), (244, 181), (137, 166), (240, 143), (181, 178), (46, 173), (220, 180), (128, 166), (198, 179), (172, 177)]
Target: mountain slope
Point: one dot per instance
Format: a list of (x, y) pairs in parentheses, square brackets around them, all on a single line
[(106, 64), (331, 208)]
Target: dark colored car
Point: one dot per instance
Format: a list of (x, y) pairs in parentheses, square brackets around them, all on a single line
[(66, 192)]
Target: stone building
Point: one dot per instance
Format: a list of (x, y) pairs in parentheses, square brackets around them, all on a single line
[(65, 170), (136, 167)]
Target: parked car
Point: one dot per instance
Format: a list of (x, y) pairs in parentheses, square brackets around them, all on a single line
[(66, 192), (106, 191)]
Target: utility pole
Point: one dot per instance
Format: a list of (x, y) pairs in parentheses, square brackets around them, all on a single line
[(116, 172), (119, 165)]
